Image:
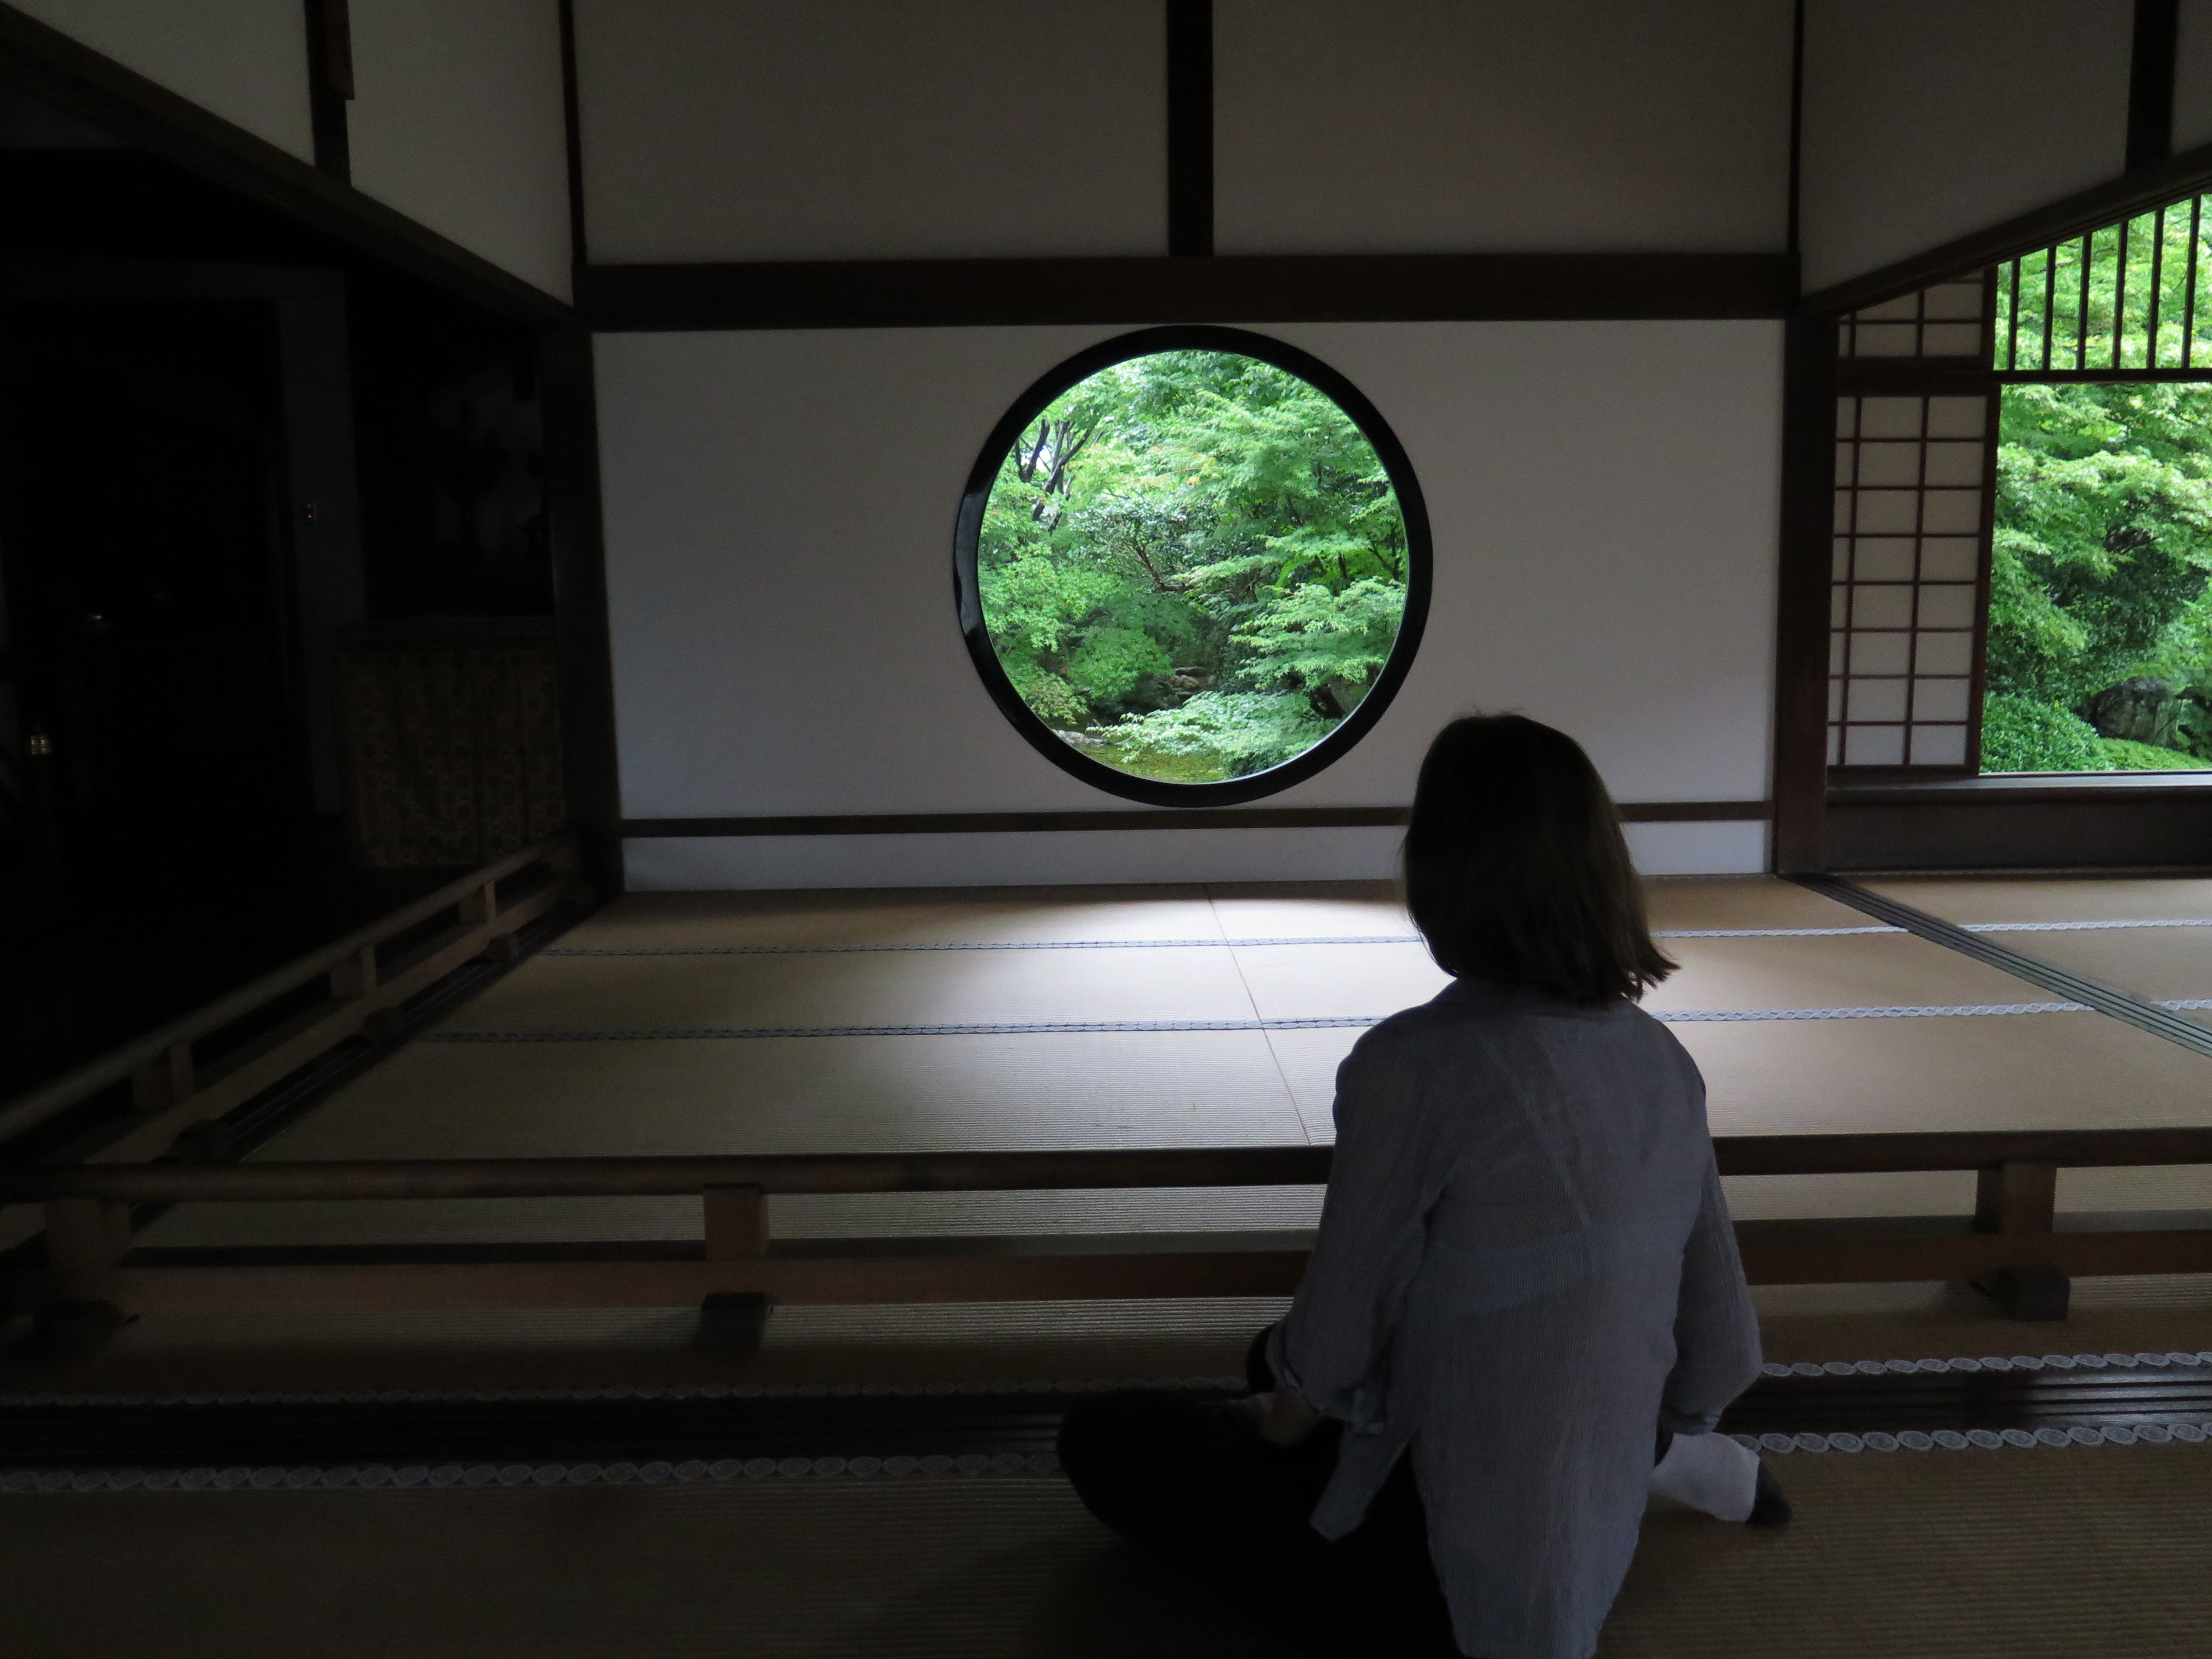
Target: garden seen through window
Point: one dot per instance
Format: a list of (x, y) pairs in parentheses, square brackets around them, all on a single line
[(1193, 566), (2101, 616), (2100, 642)]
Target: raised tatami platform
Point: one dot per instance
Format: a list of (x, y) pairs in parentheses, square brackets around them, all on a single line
[(1187, 1016)]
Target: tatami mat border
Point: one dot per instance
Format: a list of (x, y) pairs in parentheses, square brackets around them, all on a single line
[(1131, 944), (1313, 939), (2147, 1434), (936, 1466), (1331, 1022), (298, 1476), (2080, 926), (943, 1390)]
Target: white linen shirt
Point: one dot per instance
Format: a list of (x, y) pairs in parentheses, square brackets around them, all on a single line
[(1525, 1268)]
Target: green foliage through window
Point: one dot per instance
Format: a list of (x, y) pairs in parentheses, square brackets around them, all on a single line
[(1193, 566), (2100, 617), (2137, 294)]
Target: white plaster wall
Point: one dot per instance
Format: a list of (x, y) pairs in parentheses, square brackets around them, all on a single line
[(457, 122), (779, 515), (723, 130), (1923, 123), (1455, 125), (244, 60), (2192, 77)]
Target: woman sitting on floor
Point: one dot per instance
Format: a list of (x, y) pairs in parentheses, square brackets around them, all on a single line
[(1525, 1273)]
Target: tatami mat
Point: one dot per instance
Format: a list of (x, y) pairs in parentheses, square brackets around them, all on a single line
[(2169, 963), (538, 1099), (896, 916), (2156, 1313), (1306, 981), (1968, 899), (965, 987), (2043, 1554), (1311, 909), (2077, 1071), (1860, 970), (1673, 902), (806, 1095), (768, 1096), (2069, 1070)]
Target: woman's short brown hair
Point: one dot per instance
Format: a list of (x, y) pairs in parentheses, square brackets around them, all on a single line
[(1515, 868)]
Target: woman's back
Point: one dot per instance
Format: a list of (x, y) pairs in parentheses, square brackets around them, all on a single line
[(1522, 1215)]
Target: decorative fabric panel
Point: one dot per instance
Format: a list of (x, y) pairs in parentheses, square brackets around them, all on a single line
[(450, 730), (1913, 486)]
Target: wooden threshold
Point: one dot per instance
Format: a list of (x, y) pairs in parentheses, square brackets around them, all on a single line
[(1199, 817)]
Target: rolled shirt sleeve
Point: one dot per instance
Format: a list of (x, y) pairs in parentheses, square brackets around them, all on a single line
[(1717, 1352), (1333, 1349)]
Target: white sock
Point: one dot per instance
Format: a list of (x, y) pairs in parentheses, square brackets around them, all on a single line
[(1708, 1472)]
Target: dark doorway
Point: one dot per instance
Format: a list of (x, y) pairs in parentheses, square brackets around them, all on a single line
[(141, 512), (142, 525)]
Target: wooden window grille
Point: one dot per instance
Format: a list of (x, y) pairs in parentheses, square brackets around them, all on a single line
[(2135, 296)]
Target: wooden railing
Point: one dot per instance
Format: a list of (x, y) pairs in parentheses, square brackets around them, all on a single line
[(92, 1257), (174, 1084)]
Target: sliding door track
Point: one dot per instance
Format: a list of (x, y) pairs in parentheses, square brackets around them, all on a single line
[(2138, 1011)]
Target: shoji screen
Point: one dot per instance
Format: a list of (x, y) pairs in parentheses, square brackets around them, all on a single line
[(1915, 454), (1913, 532)]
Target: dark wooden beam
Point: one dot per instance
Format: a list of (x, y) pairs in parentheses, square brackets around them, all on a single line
[(2150, 82), (572, 132), (1190, 128), (2113, 824), (330, 84), (568, 390), (1224, 817), (1319, 288), (45, 64)]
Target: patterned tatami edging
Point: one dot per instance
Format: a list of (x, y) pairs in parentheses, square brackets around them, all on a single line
[(18, 1399), (2177, 1399), (1137, 944), (1330, 1022), (297, 1476), (1331, 939), (935, 1466), (2147, 1434)]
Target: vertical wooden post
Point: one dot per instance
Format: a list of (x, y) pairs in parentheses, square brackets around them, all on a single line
[(737, 1224), (164, 1081), (1801, 641), (2016, 1198), (732, 1323), (482, 905), (85, 1235), (357, 976), (2020, 1199)]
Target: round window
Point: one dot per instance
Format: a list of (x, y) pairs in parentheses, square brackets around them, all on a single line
[(1192, 566)]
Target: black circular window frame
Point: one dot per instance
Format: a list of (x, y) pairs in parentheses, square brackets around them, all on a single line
[(1412, 510)]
